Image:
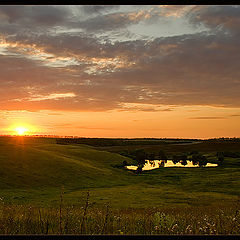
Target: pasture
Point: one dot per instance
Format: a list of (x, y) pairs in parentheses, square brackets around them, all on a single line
[(49, 188), (34, 170)]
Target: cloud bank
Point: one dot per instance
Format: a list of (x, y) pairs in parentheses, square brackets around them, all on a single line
[(64, 57)]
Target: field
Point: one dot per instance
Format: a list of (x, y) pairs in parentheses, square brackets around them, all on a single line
[(40, 174)]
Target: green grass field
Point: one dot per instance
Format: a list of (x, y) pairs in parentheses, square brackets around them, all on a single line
[(34, 170)]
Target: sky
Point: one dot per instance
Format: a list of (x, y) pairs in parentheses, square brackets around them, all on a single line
[(120, 71)]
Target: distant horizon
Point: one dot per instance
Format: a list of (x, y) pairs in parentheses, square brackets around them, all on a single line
[(157, 138)]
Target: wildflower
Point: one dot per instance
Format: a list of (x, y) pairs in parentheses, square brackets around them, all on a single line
[(174, 226), (156, 228)]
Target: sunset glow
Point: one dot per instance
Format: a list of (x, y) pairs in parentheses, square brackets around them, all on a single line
[(21, 130), (120, 71)]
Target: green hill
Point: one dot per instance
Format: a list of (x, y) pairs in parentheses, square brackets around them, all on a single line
[(33, 171), (43, 163), (33, 164)]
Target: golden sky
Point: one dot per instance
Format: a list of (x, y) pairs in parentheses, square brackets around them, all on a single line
[(120, 71)]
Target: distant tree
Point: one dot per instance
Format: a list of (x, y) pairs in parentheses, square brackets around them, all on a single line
[(183, 162), (125, 163), (141, 159), (194, 161), (220, 157), (161, 164), (184, 157), (176, 159), (199, 159), (162, 155), (180, 158), (202, 161), (151, 156), (139, 169)]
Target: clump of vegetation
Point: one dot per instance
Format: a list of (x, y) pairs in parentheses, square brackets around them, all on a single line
[(199, 159), (162, 155), (99, 142), (220, 157), (68, 219), (180, 158), (140, 157)]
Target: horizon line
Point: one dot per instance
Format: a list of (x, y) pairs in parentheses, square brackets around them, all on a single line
[(72, 136)]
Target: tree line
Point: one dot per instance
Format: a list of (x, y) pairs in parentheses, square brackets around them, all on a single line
[(105, 142), (195, 157)]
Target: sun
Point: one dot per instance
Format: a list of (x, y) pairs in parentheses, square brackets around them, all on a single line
[(21, 130)]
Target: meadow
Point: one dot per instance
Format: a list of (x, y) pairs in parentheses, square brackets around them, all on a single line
[(69, 219), (44, 188)]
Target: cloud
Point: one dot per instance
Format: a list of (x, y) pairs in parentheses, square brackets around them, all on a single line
[(226, 18), (143, 107), (89, 18), (190, 69), (43, 15), (175, 10), (97, 9), (113, 21), (12, 14), (207, 118), (52, 96), (161, 71)]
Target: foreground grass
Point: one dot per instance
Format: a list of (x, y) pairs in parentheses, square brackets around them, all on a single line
[(161, 201), (68, 219)]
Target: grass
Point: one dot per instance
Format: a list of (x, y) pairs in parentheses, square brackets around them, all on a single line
[(69, 219), (48, 188), (33, 171)]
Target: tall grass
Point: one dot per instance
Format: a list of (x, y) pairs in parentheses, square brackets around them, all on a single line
[(23, 219)]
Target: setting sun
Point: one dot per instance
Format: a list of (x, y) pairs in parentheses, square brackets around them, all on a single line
[(21, 130)]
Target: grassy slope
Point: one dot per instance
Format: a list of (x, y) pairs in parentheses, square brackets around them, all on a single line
[(33, 171)]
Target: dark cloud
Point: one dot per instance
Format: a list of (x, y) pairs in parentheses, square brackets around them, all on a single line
[(112, 21), (226, 18), (191, 69), (34, 15), (96, 9), (49, 15), (12, 14), (89, 18), (185, 70)]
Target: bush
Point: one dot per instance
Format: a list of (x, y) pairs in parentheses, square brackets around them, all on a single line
[(199, 159), (125, 163), (162, 155)]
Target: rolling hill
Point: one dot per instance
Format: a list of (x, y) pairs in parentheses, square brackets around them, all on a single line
[(34, 171)]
